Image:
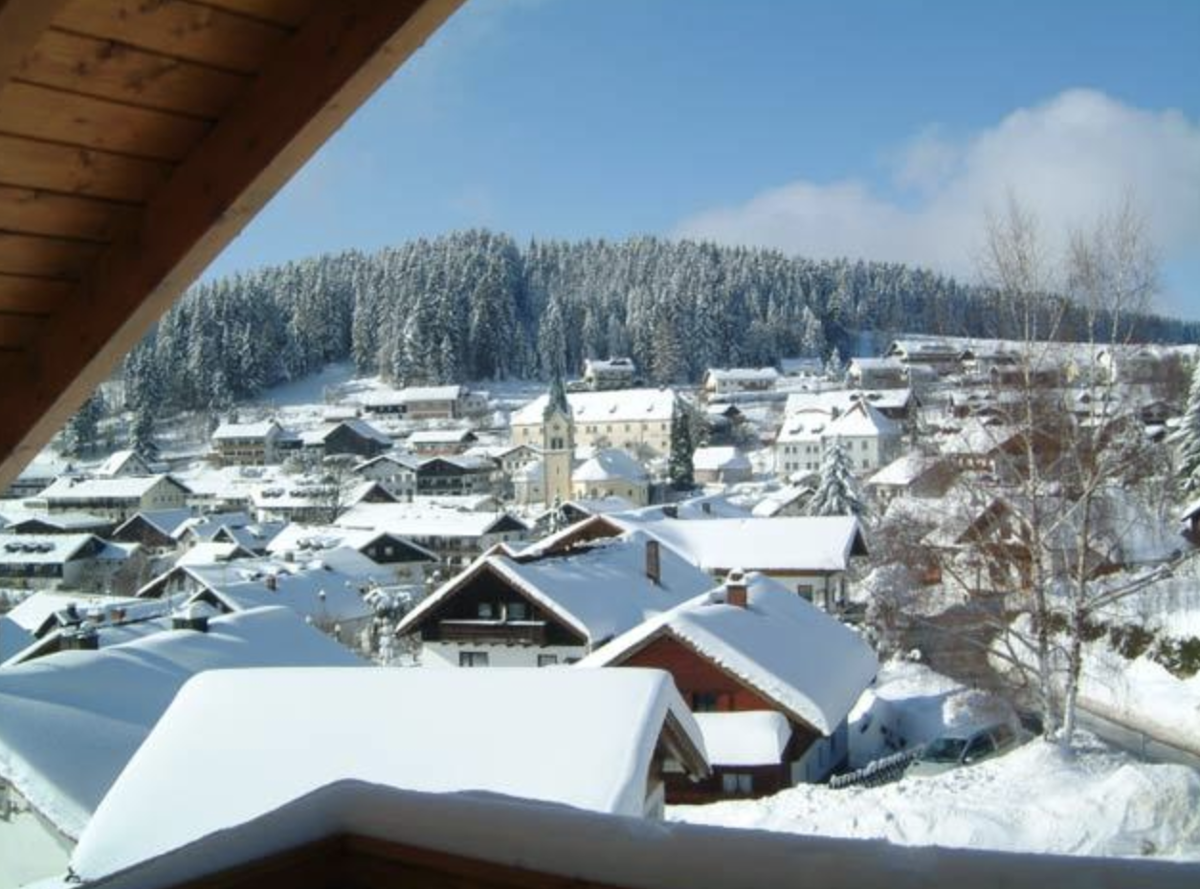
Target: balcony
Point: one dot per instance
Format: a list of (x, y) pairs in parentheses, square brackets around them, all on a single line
[(494, 632)]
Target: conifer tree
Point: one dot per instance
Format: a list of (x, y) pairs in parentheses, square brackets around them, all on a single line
[(683, 447), (837, 490)]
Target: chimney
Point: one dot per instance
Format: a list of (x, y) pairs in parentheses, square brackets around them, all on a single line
[(671, 511), (653, 565), (735, 589), (270, 582)]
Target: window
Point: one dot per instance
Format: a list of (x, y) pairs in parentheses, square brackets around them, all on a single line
[(485, 610), (706, 701), (805, 590), (517, 611), (863, 445), (737, 783), (472, 659), (547, 660)]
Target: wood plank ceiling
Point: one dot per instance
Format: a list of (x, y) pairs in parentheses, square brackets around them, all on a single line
[(137, 137)]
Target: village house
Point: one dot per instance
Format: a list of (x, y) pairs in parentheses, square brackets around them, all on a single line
[(770, 679), (441, 442), (722, 382), (457, 536), (811, 368), (877, 373), (940, 356), (58, 561), (869, 438), (79, 620), (71, 697), (124, 463), (613, 373), (611, 472), (228, 527), (544, 609), (58, 523), (720, 466), (811, 555), (630, 729), (790, 500), (154, 529), (395, 471), (351, 437), (113, 498), (261, 443), (912, 475), (633, 419), (723, 423), (426, 403), (407, 560), (455, 476)]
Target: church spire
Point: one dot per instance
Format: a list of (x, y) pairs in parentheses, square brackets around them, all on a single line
[(558, 399)]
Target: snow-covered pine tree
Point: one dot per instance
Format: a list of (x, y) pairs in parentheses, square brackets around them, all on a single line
[(1189, 439), (837, 490), (835, 368), (82, 430)]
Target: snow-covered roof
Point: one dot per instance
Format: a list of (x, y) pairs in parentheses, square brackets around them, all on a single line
[(325, 537), (785, 544), (63, 521), (599, 590), (977, 437), (326, 727), (879, 364), (363, 428), (32, 611), (120, 488), (745, 738), (400, 460), (862, 419), (781, 645), (742, 374), (421, 520), (776, 501), (121, 461), (206, 552), (788, 650), (414, 393), (72, 720), (441, 436), (615, 406), (830, 400), (257, 430), (716, 458), (610, 464), (805, 426), (49, 549), (623, 366), (903, 471), (166, 521)]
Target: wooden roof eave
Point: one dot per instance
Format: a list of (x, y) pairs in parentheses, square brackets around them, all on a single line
[(305, 91)]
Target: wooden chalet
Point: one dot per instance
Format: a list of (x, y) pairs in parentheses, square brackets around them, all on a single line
[(770, 678)]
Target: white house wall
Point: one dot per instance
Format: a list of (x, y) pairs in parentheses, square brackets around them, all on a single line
[(445, 654)]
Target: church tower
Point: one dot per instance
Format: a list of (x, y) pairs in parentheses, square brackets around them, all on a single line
[(558, 445)]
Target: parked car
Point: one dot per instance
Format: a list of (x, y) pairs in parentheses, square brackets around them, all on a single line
[(963, 747)]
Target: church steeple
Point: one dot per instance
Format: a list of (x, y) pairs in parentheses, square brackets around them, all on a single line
[(558, 399), (558, 444)]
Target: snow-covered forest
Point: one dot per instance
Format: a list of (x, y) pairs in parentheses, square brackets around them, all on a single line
[(474, 305)]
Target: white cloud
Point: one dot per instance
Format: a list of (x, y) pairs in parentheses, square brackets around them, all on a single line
[(1070, 160)]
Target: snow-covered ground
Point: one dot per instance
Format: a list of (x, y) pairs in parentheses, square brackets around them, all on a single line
[(1034, 799)]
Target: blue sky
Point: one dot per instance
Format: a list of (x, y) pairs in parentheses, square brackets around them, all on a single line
[(875, 129)]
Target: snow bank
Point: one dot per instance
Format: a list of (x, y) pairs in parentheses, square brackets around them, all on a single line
[(1035, 799)]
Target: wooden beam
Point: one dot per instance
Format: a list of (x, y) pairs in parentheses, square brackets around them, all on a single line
[(109, 70), (53, 115), (21, 23), (320, 76), (63, 169)]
